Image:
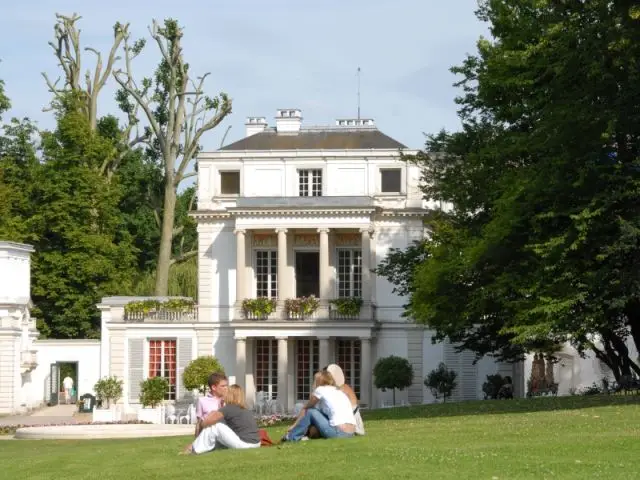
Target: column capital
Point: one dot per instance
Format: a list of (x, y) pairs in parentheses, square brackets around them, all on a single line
[(323, 337), (323, 230), (240, 339), (281, 230), (365, 339), (239, 230), (370, 230), (282, 338)]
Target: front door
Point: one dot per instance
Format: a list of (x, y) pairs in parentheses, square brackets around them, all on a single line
[(54, 384), (307, 274)]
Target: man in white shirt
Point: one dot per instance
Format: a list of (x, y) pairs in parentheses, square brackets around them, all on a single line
[(329, 410), (67, 383)]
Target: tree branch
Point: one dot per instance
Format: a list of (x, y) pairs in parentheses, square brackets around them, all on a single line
[(184, 256)]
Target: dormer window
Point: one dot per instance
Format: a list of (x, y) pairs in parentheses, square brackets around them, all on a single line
[(310, 183)]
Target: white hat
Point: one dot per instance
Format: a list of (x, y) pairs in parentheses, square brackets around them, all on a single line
[(337, 374)]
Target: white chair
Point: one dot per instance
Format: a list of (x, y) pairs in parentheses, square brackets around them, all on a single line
[(260, 402), (188, 415), (170, 414)]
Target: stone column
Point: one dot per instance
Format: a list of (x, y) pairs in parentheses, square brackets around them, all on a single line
[(324, 351), (325, 281), (365, 371), (284, 284), (366, 311), (241, 255), (241, 361), (283, 372)]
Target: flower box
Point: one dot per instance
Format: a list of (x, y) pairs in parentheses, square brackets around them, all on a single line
[(151, 415), (106, 415)]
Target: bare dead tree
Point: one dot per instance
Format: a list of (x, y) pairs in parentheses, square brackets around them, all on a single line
[(68, 51), (178, 113)]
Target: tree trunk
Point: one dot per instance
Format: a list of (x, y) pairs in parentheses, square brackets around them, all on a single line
[(394, 397), (166, 239)]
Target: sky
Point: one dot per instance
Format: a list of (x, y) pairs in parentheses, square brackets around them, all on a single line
[(269, 55)]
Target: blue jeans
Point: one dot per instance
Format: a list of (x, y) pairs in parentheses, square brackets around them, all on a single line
[(315, 417)]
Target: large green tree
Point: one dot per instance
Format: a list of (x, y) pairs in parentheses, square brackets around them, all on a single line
[(542, 242), (83, 252)]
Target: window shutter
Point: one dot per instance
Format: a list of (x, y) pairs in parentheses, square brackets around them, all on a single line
[(136, 368), (185, 355)]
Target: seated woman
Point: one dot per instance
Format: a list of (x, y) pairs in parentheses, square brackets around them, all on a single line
[(238, 430), (333, 416), (338, 376)]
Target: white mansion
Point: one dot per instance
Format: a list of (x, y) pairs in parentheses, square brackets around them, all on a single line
[(286, 213)]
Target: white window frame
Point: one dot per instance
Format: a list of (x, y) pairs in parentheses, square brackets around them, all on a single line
[(310, 176), (146, 363), (272, 378), (352, 272), (352, 369), (314, 351), (273, 275)]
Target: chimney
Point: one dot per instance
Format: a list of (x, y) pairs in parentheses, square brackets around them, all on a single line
[(255, 125), (356, 122), (288, 120)]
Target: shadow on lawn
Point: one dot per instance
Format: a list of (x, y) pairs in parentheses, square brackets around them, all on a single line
[(491, 407)]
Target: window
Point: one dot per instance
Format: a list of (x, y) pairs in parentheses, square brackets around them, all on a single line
[(230, 183), (349, 273), (307, 364), (310, 183), (162, 363), (267, 273), (267, 368), (348, 357), (390, 180)]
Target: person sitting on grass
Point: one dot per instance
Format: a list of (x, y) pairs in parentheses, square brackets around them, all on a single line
[(328, 409), (338, 375), (213, 401), (233, 426)]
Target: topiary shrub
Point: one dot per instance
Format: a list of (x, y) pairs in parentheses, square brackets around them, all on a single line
[(153, 391), (196, 374), (491, 388), (441, 381), (393, 372), (108, 389)]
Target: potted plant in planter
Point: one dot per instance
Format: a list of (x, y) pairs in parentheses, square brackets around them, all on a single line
[(152, 392), (258, 308), (301, 308), (108, 392), (346, 307)]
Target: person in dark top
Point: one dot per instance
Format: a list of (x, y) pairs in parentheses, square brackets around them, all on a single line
[(233, 426)]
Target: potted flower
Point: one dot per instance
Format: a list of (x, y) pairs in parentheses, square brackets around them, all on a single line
[(108, 392), (301, 308), (152, 392), (258, 308), (346, 307)]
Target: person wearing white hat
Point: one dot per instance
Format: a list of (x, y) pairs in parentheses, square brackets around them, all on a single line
[(338, 376)]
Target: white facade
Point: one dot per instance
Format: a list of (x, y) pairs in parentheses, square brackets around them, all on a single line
[(285, 212), (17, 329), (25, 362)]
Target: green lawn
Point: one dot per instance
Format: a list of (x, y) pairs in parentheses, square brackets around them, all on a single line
[(570, 437)]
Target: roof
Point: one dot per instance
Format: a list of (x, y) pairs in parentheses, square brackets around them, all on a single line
[(317, 139)]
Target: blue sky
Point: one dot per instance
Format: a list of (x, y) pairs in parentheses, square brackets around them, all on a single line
[(269, 55)]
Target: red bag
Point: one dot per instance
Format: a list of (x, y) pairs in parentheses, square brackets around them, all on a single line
[(265, 441)]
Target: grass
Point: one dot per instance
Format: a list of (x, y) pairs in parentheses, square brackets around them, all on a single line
[(569, 437)]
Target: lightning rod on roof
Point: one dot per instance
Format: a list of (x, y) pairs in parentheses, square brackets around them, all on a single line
[(358, 93)]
